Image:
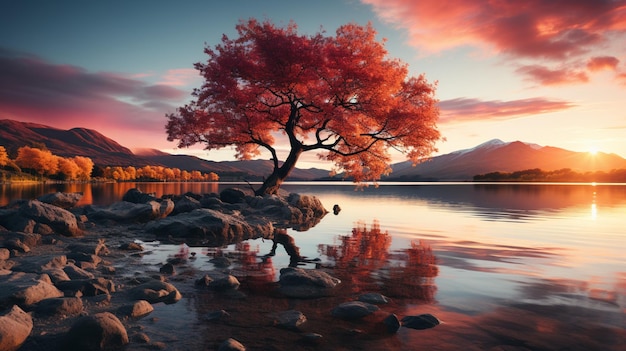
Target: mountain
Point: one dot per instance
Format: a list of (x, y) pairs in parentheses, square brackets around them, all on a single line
[(499, 156), (67, 143)]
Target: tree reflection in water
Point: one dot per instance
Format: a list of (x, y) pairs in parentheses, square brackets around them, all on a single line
[(363, 261)]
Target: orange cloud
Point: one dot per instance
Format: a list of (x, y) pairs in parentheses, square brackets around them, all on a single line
[(547, 76), (602, 63), (464, 109), (551, 30), (180, 77)]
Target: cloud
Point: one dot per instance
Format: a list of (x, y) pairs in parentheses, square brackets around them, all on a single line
[(465, 109), (600, 63), (32, 89), (546, 76), (541, 30), (181, 77)]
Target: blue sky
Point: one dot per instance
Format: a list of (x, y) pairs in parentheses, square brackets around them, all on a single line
[(550, 72)]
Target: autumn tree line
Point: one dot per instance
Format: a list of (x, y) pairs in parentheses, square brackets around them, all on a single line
[(560, 175), (43, 163)]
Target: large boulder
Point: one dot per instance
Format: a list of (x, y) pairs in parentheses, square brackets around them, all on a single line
[(136, 196), (102, 331), (213, 227), (60, 306), (59, 220), (26, 289), (185, 204), (63, 200), (156, 291), (15, 327), (125, 211)]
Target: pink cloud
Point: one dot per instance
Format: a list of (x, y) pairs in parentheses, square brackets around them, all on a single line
[(66, 96), (181, 77), (547, 76), (464, 109), (602, 63), (552, 30)]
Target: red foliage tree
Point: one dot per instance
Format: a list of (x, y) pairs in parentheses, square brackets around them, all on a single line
[(338, 95)]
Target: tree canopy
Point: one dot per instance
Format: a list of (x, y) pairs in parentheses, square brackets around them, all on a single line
[(340, 96)]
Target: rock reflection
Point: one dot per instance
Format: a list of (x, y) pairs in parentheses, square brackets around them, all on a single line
[(365, 263)]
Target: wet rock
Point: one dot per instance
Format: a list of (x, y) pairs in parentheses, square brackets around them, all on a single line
[(232, 195), (218, 281), (155, 291), (102, 331), (61, 221), (392, 323), (336, 209), (87, 287), (126, 212), (15, 327), (136, 196), (75, 272), (213, 227), (41, 263), (312, 338), (80, 257), (354, 310), (422, 321), (231, 344), (99, 248), (61, 306), (5, 254), (62, 200), (26, 289), (131, 247), (306, 283), (221, 262), (374, 298), (185, 204), (167, 268), (138, 309), (291, 319), (216, 315)]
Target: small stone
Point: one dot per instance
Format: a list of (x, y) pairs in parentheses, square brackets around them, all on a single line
[(423, 321), (354, 310), (289, 319), (167, 268), (392, 323), (374, 298), (131, 247), (231, 345), (312, 338)]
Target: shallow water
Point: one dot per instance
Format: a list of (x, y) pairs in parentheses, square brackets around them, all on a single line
[(503, 266)]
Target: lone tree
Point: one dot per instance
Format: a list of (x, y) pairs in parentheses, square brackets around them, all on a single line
[(338, 95)]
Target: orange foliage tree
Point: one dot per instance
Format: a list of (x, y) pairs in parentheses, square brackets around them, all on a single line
[(4, 157), (338, 95), (41, 161)]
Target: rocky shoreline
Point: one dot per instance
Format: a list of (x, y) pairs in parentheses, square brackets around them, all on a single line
[(72, 278)]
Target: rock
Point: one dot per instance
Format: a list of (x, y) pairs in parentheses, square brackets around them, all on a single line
[(56, 275), (99, 248), (312, 338), (213, 227), (64, 306), (41, 263), (354, 310), (102, 331), (336, 209), (155, 291), (87, 287), (216, 315), (131, 247), (139, 309), (30, 239), (26, 289), (75, 272), (186, 204), (291, 319), (306, 283), (136, 196), (17, 245), (61, 221), (423, 321), (232, 196), (80, 257), (219, 281), (392, 323), (231, 344), (221, 262), (5, 254), (62, 200), (132, 212), (374, 298), (15, 327)]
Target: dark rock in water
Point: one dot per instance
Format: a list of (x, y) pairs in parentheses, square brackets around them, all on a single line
[(218, 281), (354, 310), (312, 338), (216, 315), (62, 200), (374, 298), (155, 291), (167, 268), (291, 319), (231, 345), (102, 331), (221, 262), (87, 287), (131, 247), (136, 196), (423, 321), (15, 327), (306, 283), (139, 309), (336, 209), (65, 306), (392, 323), (232, 195)]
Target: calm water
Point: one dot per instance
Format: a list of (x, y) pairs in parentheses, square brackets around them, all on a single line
[(504, 266)]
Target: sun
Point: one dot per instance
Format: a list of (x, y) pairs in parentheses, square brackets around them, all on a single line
[(593, 150)]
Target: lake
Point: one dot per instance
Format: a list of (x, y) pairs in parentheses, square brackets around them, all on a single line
[(503, 266)]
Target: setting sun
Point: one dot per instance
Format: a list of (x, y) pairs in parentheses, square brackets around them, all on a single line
[(593, 150)]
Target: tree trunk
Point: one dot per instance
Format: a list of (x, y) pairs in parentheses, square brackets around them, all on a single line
[(272, 184)]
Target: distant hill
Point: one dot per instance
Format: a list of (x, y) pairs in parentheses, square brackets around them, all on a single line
[(499, 156)]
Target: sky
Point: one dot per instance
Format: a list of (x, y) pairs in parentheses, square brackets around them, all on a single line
[(548, 72)]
